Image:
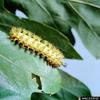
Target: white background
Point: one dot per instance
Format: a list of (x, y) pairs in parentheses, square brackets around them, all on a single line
[(87, 70)]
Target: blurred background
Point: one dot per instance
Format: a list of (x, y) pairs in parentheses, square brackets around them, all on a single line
[(86, 70)]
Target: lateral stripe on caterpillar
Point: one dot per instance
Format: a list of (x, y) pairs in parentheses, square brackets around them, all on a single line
[(36, 44)]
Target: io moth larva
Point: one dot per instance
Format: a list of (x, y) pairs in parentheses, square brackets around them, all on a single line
[(34, 43)]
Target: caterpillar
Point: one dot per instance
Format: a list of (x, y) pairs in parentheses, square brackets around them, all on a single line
[(35, 43)]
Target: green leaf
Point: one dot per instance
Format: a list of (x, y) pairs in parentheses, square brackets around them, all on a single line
[(61, 95), (56, 14), (93, 3), (73, 86), (1, 3), (91, 40), (63, 14), (50, 12), (46, 32), (88, 12), (20, 70), (72, 89), (22, 73)]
